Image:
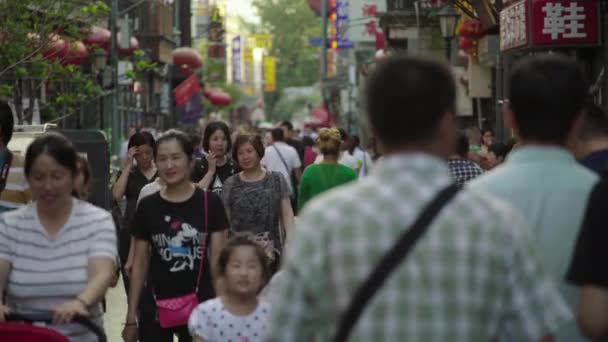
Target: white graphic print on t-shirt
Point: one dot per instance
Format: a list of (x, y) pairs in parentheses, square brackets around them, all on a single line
[(181, 246)]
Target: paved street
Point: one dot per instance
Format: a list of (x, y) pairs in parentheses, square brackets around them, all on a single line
[(116, 312)]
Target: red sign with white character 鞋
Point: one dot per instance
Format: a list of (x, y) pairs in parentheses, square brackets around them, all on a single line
[(550, 23), (565, 22)]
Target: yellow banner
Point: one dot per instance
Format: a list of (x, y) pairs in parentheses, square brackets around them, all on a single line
[(248, 55), (262, 41), (270, 83)]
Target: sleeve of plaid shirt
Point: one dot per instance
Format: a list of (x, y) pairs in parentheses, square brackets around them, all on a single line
[(534, 307), (298, 298)]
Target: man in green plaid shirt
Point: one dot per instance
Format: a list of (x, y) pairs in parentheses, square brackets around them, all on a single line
[(473, 276)]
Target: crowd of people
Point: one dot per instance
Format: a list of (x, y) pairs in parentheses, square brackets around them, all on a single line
[(209, 248)]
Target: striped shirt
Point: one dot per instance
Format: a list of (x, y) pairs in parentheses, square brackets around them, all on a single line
[(46, 272), (17, 191)]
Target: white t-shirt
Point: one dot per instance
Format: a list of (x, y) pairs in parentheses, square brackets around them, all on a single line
[(272, 161), (363, 160), (149, 189), (345, 159), (213, 323)]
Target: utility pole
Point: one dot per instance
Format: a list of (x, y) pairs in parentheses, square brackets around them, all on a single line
[(323, 68), (116, 129)]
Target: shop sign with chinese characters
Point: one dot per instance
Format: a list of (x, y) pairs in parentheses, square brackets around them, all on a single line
[(555, 23), (565, 22), (514, 26), (365, 14)]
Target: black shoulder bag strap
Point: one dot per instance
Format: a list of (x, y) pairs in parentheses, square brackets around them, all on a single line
[(8, 161), (390, 261)]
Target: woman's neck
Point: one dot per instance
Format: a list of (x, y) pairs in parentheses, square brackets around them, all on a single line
[(240, 305), (253, 173), (330, 158), (53, 218), (221, 161), (178, 192)]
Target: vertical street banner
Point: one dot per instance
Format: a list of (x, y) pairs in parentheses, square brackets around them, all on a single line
[(236, 60), (248, 64), (188, 100), (270, 83)]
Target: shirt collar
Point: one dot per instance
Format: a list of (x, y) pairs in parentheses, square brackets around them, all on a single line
[(540, 154), (416, 163)]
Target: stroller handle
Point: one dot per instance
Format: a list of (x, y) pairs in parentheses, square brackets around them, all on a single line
[(47, 317)]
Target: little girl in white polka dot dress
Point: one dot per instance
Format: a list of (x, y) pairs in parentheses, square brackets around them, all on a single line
[(239, 315)]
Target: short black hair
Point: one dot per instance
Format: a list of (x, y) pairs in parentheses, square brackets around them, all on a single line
[(406, 97), (142, 138), (277, 134), (462, 149), (212, 128), (182, 139), (343, 134), (7, 123), (499, 149), (57, 147), (356, 140), (308, 141), (596, 122), (287, 124), (547, 93)]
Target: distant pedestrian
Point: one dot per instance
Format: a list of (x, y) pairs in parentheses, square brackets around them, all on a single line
[(472, 276), (460, 167), (591, 147), (324, 176), (257, 200), (239, 314), (212, 171), (364, 160)]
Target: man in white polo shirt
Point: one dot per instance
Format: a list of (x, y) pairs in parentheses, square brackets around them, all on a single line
[(280, 157)]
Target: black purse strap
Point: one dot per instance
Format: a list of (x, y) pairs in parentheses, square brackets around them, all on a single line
[(390, 261)]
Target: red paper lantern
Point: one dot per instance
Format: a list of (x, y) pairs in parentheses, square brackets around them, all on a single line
[(220, 99), (56, 49), (133, 45), (188, 57), (99, 38), (315, 6), (207, 92), (466, 43), (471, 29), (76, 53)]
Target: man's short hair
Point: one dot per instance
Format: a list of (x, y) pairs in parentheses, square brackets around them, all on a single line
[(463, 146), (596, 122), (406, 97), (287, 124), (547, 93), (277, 134), (7, 123)]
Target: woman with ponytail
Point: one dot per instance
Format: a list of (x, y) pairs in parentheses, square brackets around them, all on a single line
[(329, 173)]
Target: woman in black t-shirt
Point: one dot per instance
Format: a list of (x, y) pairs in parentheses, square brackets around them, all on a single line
[(139, 170), (213, 171), (172, 239)]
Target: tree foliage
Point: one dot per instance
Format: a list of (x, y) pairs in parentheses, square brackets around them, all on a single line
[(291, 23), (28, 26)]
